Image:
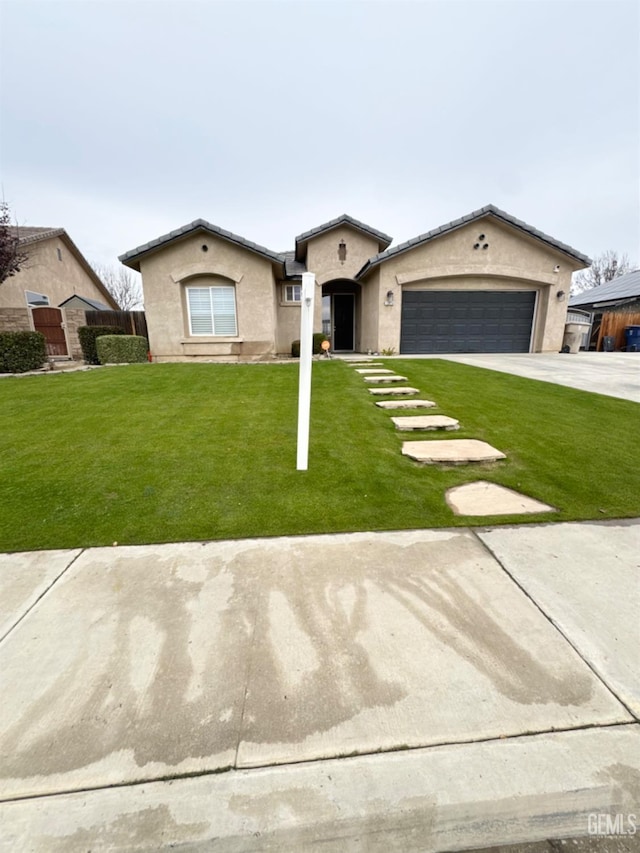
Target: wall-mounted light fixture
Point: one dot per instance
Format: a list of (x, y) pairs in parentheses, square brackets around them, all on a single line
[(389, 300), (556, 268), (561, 296)]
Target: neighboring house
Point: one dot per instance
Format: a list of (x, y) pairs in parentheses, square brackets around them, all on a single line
[(86, 304), (52, 291), (486, 282), (611, 307)]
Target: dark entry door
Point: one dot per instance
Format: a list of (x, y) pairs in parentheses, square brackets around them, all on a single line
[(343, 322), (466, 321), (49, 322)]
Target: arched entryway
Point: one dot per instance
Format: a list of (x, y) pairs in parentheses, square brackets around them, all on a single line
[(340, 314)]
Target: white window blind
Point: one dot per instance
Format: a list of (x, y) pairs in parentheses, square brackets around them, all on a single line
[(212, 310)]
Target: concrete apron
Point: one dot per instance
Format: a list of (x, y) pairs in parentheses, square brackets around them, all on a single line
[(157, 662)]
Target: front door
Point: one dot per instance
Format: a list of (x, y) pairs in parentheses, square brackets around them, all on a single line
[(343, 322), (48, 321)]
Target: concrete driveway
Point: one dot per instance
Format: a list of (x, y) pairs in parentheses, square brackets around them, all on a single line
[(615, 374), (418, 690)]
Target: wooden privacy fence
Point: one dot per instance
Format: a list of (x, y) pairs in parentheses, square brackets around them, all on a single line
[(614, 323), (133, 322)]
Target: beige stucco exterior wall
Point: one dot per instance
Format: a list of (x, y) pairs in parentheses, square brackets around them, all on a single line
[(167, 272), (322, 253), (512, 261), (287, 319), (44, 272)]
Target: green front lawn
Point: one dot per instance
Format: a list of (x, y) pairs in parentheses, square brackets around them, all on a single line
[(163, 453)]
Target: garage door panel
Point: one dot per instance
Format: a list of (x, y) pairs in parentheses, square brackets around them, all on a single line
[(466, 321)]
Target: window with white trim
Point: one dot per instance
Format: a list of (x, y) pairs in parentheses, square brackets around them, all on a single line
[(35, 300), (292, 292), (212, 310)]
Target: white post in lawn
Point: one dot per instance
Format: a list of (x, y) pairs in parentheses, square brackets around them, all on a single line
[(307, 299)]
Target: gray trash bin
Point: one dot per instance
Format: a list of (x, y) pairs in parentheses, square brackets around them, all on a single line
[(608, 343)]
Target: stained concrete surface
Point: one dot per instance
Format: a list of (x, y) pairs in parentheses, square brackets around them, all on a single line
[(484, 498), (415, 801), (451, 451), (139, 665), (152, 661), (24, 577), (586, 577)]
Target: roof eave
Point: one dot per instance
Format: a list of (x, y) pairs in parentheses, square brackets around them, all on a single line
[(456, 224), (133, 258)]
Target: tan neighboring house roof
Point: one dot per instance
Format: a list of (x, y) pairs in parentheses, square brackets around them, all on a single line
[(27, 235)]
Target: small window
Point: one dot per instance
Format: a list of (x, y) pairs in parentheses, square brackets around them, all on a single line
[(59, 254), (212, 311), (292, 292), (36, 300)]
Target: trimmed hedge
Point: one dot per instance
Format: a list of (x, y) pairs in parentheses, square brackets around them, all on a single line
[(128, 349), (22, 351), (318, 338), (88, 336)]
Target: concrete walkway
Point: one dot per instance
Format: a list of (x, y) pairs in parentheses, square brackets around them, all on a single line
[(419, 690)]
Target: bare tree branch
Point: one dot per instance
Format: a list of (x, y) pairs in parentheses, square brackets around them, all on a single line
[(12, 257), (605, 267), (122, 284)]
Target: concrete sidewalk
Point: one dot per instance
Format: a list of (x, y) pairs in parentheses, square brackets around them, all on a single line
[(419, 690)]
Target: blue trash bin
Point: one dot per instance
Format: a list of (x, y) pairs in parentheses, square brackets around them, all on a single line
[(632, 335)]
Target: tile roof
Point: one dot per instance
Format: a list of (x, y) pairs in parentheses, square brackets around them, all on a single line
[(94, 303), (487, 210), (129, 258), (28, 234), (623, 287), (292, 268), (345, 219)]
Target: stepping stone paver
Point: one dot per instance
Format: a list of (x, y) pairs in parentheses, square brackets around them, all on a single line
[(366, 363), (423, 422), (378, 370), (393, 377), (457, 451), (484, 498), (406, 404), (394, 391)]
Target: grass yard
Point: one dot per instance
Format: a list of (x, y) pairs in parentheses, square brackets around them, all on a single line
[(172, 452)]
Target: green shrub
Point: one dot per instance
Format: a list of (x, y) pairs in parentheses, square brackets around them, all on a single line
[(318, 338), (128, 349), (22, 351), (88, 335)]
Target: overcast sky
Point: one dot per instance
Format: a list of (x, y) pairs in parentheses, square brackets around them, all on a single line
[(124, 120)]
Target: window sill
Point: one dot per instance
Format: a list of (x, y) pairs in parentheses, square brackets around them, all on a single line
[(212, 339)]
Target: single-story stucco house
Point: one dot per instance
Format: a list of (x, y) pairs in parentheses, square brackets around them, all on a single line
[(52, 290), (486, 282)]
